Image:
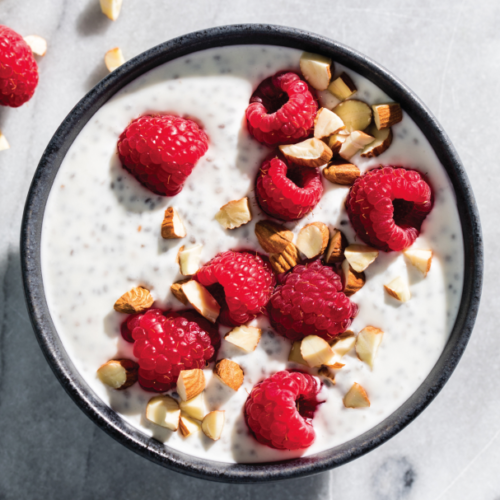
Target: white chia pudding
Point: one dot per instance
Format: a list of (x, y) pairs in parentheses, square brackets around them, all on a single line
[(101, 237)]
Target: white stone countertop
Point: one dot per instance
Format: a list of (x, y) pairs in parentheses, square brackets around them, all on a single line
[(447, 51)]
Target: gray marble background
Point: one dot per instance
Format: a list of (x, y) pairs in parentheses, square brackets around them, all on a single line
[(445, 50)]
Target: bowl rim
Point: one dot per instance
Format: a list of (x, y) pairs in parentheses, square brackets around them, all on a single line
[(111, 422)]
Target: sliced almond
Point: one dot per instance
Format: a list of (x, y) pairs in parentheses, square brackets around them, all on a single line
[(354, 143), (335, 142), (37, 44), (114, 58), (317, 70), (326, 372), (367, 343), (134, 301), (286, 260), (316, 351), (177, 292), (273, 237), (399, 289), (188, 426), (327, 99), (111, 8), (172, 226), (342, 87), (201, 299), (164, 411), (355, 114), (309, 153), (387, 115), (230, 373), (338, 244), (360, 256), (213, 424), (195, 407), (421, 259), (313, 239), (383, 139), (351, 279), (234, 214), (118, 374), (189, 258), (341, 172), (245, 337), (343, 343), (3, 142), (295, 355), (327, 123), (190, 383), (356, 397)]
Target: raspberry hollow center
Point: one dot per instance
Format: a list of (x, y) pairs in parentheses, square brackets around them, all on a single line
[(402, 211)]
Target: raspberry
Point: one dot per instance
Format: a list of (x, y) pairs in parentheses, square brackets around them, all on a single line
[(18, 69), (282, 110), (387, 206), (165, 345), (279, 410), (160, 151), (241, 282), (287, 192), (309, 301)]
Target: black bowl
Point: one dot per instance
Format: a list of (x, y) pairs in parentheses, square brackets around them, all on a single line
[(110, 421)]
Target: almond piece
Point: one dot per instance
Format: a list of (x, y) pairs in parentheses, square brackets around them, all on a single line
[(355, 114), (355, 142), (37, 44), (324, 371), (245, 337), (189, 258), (360, 256), (177, 292), (230, 373), (114, 58), (273, 237), (367, 343), (134, 301), (336, 248), (313, 239), (309, 153), (286, 260), (335, 142), (111, 8), (188, 425), (341, 172), (327, 99), (234, 214), (3, 142), (386, 115), (213, 424), (343, 343), (190, 383), (327, 123), (356, 397), (164, 411), (399, 289), (421, 259), (195, 407), (351, 279), (118, 374), (342, 87), (201, 299), (316, 351), (317, 70), (172, 226), (295, 355), (383, 139)]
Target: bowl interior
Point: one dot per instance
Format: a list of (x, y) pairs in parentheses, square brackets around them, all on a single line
[(107, 418)]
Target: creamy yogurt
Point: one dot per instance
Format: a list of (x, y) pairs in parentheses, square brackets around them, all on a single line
[(101, 237)]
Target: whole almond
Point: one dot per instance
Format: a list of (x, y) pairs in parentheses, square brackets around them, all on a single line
[(273, 237), (341, 172), (284, 261), (230, 373), (134, 301)]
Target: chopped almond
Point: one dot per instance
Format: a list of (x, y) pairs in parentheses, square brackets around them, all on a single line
[(341, 172), (343, 343), (201, 299), (309, 153), (111, 8), (245, 337), (355, 114), (234, 214), (335, 142), (213, 424), (295, 355), (316, 351), (114, 58), (313, 239), (383, 139), (354, 143), (421, 259), (360, 256), (399, 289), (164, 411), (195, 407), (342, 87), (286, 260), (327, 99), (189, 258), (351, 279), (134, 301), (172, 226), (387, 115), (316, 69), (188, 426), (367, 343), (327, 123), (325, 371), (356, 397), (37, 44), (3, 142), (190, 383), (176, 289), (118, 374), (336, 248), (230, 373)]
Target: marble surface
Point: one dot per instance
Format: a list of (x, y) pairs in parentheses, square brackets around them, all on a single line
[(447, 52)]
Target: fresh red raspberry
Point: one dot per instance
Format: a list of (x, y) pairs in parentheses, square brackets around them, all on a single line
[(282, 110), (160, 151), (241, 282), (387, 206), (287, 192), (165, 345), (309, 301), (279, 410), (18, 69)]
